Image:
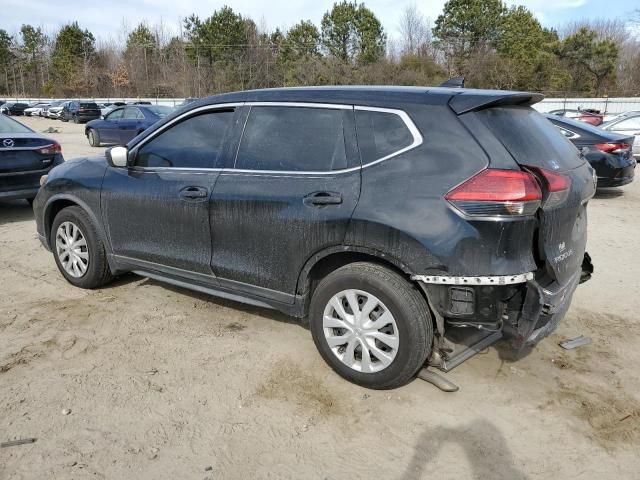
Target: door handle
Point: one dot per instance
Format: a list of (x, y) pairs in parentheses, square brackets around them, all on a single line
[(322, 198), (193, 193)]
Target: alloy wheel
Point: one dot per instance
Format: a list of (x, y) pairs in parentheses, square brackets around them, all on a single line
[(360, 331), (72, 250)]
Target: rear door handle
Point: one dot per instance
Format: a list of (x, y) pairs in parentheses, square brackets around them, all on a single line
[(194, 193), (322, 198)]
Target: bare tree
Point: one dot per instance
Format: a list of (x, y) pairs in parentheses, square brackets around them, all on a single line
[(415, 31)]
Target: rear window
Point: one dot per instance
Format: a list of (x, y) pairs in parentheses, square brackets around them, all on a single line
[(530, 138), (381, 134), (9, 125), (88, 105)]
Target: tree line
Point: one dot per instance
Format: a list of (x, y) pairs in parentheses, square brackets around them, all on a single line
[(490, 44)]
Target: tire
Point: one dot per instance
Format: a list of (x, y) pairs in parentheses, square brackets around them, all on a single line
[(94, 137), (97, 272), (75, 119), (411, 325)]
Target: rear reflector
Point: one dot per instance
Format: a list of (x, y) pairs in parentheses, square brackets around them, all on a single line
[(50, 149), (612, 147), (494, 192)]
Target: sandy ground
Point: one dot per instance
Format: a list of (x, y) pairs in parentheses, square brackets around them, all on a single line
[(166, 383)]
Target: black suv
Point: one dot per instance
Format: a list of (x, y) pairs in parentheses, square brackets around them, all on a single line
[(408, 225), (79, 112)]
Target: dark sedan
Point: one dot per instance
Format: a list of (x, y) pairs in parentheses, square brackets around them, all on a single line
[(122, 124), (24, 157), (610, 154), (14, 108)]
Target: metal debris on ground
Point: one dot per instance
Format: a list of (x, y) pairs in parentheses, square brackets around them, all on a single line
[(439, 381), (51, 130), (575, 342), (14, 443)]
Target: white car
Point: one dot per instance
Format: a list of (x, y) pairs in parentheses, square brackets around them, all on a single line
[(627, 124), (35, 110), (54, 112)]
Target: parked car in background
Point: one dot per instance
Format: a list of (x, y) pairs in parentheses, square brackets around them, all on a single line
[(587, 115), (44, 112), (14, 108), (608, 153), (35, 110), (452, 214), (187, 101), (626, 124), (123, 123), (24, 157), (55, 112), (108, 106), (80, 112), (141, 102)]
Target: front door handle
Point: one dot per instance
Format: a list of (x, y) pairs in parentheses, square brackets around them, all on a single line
[(322, 198), (194, 193)]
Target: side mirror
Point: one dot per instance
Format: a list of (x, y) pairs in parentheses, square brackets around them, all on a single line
[(117, 156)]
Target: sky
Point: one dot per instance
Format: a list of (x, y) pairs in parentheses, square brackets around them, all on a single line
[(109, 19)]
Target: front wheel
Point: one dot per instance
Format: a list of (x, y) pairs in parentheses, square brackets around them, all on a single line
[(75, 119), (371, 325), (78, 249)]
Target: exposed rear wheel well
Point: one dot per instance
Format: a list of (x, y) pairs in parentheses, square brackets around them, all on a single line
[(328, 264)]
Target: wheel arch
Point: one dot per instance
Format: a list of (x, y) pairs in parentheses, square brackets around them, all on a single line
[(59, 202), (327, 260)]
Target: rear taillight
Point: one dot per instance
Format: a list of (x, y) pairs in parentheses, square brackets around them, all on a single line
[(494, 192), (50, 149), (555, 185), (612, 147)]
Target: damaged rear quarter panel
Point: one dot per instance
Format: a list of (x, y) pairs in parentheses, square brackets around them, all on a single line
[(402, 211)]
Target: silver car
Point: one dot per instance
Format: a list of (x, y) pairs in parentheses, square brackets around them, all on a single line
[(627, 124)]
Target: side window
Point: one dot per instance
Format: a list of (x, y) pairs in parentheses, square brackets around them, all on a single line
[(131, 113), (628, 124), (116, 114), (381, 134), (193, 143), (296, 139)]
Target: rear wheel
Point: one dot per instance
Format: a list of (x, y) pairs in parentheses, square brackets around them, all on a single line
[(78, 249), (94, 137), (75, 119), (371, 325)]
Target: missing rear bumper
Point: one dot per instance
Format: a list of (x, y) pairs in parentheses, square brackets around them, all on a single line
[(486, 280)]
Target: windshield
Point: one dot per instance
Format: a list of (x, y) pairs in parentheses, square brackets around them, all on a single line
[(160, 110), (9, 125)]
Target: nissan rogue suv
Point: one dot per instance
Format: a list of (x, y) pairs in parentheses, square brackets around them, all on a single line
[(408, 226)]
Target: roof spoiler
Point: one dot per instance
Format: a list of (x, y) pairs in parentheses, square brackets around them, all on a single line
[(473, 100), (453, 82)]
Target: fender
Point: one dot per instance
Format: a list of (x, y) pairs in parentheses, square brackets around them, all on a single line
[(82, 204)]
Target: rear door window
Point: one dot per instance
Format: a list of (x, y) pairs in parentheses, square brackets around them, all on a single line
[(628, 124), (530, 138), (293, 139), (381, 134), (132, 113)]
